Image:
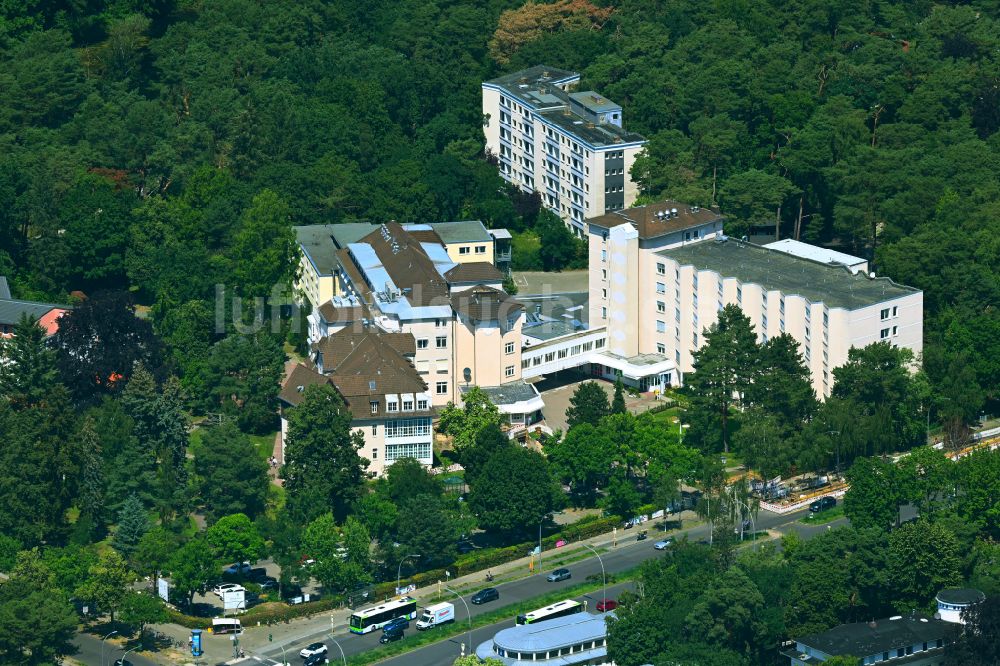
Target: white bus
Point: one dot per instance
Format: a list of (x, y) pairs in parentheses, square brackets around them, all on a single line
[(558, 609), (368, 619), (226, 625)]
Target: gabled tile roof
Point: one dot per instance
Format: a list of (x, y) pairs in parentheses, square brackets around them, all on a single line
[(484, 303), (337, 347), (343, 314), (407, 264), (476, 271), (295, 384)]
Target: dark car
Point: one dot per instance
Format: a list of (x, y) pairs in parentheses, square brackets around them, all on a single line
[(486, 594), (398, 623), (390, 636), (558, 575), (258, 575), (269, 583), (465, 547), (822, 504), (315, 660)]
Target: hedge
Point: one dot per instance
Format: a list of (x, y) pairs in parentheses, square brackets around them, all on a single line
[(270, 613)]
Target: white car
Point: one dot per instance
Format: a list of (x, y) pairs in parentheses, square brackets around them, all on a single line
[(222, 588), (661, 545), (312, 650)]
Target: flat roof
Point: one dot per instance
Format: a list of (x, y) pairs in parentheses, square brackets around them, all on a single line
[(814, 252), (960, 596), (595, 101), (862, 639), (463, 231), (315, 241), (657, 219), (507, 394), (834, 285), (598, 135)]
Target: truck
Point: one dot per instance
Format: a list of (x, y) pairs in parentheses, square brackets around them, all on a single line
[(436, 615)]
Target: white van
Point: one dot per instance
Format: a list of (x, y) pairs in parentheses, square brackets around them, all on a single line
[(436, 615)]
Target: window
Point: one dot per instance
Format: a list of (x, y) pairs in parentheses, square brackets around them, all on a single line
[(885, 314), (604, 255), (694, 338), (661, 269), (563, 353), (407, 405), (895, 311), (391, 406), (422, 403), (895, 330), (508, 371), (677, 314), (604, 274), (508, 348), (374, 429), (604, 293), (661, 348), (421, 343), (661, 326), (883, 334), (480, 249), (661, 288), (463, 250), (374, 406), (604, 313), (441, 341), (550, 356), (440, 323), (441, 388), (374, 454), (407, 428), (661, 306)]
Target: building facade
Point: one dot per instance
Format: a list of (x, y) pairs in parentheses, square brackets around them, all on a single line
[(659, 275), (430, 305), (569, 147)]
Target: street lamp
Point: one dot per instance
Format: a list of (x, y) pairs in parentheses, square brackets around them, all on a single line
[(680, 429), (467, 612), (127, 651), (102, 644), (399, 569), (337, 643), (604, 578)]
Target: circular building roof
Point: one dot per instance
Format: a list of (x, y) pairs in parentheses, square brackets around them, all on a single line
[(960, 596)]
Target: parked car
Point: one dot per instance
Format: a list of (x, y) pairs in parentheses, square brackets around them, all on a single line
[(221, 588), (663, 544), (241, 569), (605, 605), (822, 504), (123, 662), (268, 584), (558, 575), (312, 649), (390, 636), (398, 623), (465, 547), (641, 536), (486, 594), (258, 574)]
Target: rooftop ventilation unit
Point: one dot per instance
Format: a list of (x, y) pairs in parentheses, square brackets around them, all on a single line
[(673, 212)]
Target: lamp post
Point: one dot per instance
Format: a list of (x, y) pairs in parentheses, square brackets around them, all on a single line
[(680, 429), (102, 644), (283, 661), (399, 569), (131, 650), (467, 612), (337, 643), (604, 578)]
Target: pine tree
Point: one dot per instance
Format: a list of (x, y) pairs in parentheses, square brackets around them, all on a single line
[(589, 404), (29, 370), (91, 498), (618, 402), (133, 523), (723, 369)]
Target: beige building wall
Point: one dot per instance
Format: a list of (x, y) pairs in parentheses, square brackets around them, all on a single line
[(623, 302), (376, 447), (432, 362), (318, 289), (464, 253), (492, 356), (491, 118)]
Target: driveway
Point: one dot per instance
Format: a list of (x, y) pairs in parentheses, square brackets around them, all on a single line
[(558, 389)]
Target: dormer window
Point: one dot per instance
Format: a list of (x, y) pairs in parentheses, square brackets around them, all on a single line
[(374, 406)]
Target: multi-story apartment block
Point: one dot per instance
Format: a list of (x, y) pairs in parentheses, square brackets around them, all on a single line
[(568, 146), (421, 291), (659, 274)]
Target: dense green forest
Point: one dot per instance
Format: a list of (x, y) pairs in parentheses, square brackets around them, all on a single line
[(150, 151)]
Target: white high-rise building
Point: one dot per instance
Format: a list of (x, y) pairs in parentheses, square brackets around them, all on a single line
[(659, 274), (568, 146)]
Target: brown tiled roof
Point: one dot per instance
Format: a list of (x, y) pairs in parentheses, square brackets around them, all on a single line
[(476, 271), (337, 347), (425, 236), (372, 370), (407, 264), (347, 264), (484, 303), (300, 377), (341, 314), (646, 222)]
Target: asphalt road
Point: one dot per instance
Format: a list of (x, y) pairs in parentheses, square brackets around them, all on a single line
[(627, 555), (89, 652)]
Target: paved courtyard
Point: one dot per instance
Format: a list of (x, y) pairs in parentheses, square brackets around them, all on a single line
[(556, 392)]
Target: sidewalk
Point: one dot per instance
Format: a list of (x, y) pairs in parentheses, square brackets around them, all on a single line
[(219, 649)]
